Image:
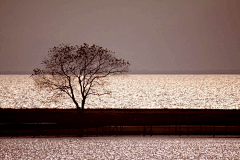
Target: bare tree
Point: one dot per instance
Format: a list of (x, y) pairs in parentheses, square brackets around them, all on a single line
[(78, 71)]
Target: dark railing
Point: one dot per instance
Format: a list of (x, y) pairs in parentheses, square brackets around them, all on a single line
[(59, 122)]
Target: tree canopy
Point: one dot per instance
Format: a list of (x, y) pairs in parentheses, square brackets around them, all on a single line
[(78, 71)]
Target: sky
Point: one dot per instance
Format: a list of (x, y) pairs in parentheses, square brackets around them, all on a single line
[(153, 35)]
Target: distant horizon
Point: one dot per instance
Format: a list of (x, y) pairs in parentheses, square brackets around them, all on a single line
[(146, 72)]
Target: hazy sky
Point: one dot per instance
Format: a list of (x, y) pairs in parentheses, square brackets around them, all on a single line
[(154, 35)]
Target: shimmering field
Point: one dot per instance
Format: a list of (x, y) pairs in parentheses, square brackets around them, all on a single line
[(134, 91), (123, 147)]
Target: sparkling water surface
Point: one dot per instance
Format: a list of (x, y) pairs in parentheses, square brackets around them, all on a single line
[(123, 147), (134, 91), (128, 91)]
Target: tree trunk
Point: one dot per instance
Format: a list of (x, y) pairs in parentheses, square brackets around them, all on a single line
[(83, 103), (80, 114)]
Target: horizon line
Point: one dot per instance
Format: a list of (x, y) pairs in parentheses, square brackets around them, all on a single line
[(147, 72)]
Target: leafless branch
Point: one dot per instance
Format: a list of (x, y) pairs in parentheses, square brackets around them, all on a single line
[(78, 71)]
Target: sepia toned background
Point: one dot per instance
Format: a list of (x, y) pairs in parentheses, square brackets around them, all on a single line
[(156, 36)]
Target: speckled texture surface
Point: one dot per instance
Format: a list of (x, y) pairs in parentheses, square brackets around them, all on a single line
[(123, 147), (134, 91)]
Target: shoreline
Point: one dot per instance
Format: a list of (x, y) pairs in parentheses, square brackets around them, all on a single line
[(94, 122)]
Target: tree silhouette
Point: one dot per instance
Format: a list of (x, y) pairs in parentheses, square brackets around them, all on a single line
[(78, 71)]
